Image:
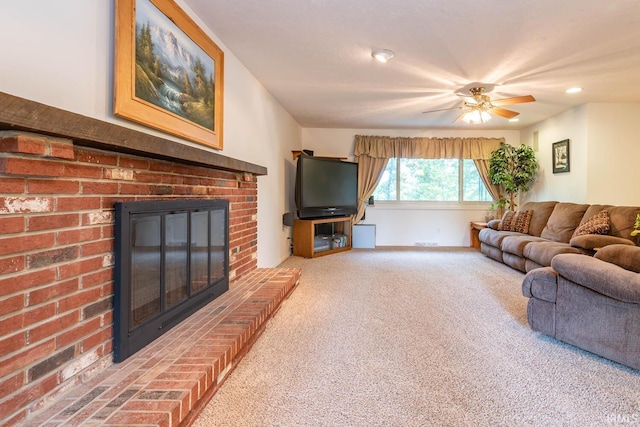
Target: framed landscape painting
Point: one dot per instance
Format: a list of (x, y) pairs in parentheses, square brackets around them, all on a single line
[(560, 154), (168, 72)]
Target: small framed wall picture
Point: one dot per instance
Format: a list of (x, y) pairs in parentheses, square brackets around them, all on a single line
[(561, 159)]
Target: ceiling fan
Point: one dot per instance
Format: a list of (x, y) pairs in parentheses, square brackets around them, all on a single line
[(478, 107)]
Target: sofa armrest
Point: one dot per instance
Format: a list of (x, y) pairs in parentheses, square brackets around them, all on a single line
[(541, 283), (627, 257), (494, 224), (600, 276), (592, 241)]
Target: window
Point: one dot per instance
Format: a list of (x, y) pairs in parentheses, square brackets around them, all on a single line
[(442, 180)]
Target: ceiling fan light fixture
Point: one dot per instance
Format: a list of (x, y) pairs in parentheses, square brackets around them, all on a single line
[(476, 116), (383, 55), (479, 107), (574, 90)]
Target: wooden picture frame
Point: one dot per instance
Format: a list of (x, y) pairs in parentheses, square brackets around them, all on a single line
[(168, 74), (560, 154)]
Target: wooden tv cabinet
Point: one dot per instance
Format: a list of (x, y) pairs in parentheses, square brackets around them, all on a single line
[(317, 237)]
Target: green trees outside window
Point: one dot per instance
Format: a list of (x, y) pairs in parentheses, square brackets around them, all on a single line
[(442, 180)]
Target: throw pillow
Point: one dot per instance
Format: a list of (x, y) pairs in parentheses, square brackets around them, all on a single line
[(507, 219), (521, 221), (516, 221), (597, 224)]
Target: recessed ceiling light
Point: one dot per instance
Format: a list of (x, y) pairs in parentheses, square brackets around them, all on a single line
[(574, 90), (514, 120), (383, 55)]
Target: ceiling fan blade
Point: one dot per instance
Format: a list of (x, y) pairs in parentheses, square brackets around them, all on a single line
[(442, 109), (515, 100), (459, 117), (503, 112)]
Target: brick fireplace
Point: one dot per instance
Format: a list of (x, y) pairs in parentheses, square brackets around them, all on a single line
[(61, 174)]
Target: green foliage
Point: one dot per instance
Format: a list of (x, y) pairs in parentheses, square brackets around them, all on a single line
[(144, 47), (515, 168), (431, 180), (636, 226)]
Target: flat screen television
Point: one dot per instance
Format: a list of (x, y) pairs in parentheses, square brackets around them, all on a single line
[(325, 187)]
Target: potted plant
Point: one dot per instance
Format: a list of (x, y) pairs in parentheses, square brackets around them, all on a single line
[(515, 168)]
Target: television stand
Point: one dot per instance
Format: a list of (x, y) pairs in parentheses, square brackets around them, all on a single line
[(317, 237)]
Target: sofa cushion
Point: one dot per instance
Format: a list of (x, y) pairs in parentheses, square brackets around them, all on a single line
[(627, 257), (516, 244), (491, 251), (593, 241), (514, 261), (543, 252), (531, 265), (494, 237), (516, 221), (541, 213), (597, 224), (621, 219), (564, 219)]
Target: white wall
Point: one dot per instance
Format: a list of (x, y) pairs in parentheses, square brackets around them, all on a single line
[(613, 171), (568, 186), (604, 153), (440, 226), (444, 225), (61, 54)]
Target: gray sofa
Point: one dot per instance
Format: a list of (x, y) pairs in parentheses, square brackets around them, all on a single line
[(590, 302), (551, 232)]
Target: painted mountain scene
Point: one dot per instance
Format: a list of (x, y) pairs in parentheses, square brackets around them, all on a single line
[(172, 71)]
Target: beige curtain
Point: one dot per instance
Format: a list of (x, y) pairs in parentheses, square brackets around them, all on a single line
[(483, 169), (369, 173), (373, 153), (425, 148)]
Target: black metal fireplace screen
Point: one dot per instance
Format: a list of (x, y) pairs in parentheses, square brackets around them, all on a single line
[(171, 259)]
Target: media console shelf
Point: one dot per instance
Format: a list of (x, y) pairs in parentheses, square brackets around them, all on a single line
[(317, 237)]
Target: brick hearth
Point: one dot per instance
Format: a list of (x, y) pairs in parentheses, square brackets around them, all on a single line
[(169, 382)]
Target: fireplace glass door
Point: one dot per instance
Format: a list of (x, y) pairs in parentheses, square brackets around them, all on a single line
[(171, 260), (146, 262)]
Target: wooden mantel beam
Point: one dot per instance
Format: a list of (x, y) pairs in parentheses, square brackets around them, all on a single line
[(26, 115)]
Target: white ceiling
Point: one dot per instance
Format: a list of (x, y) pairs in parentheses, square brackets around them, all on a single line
[(314, 56)]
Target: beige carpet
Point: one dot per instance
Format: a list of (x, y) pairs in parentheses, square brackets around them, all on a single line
[(426, 337)]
